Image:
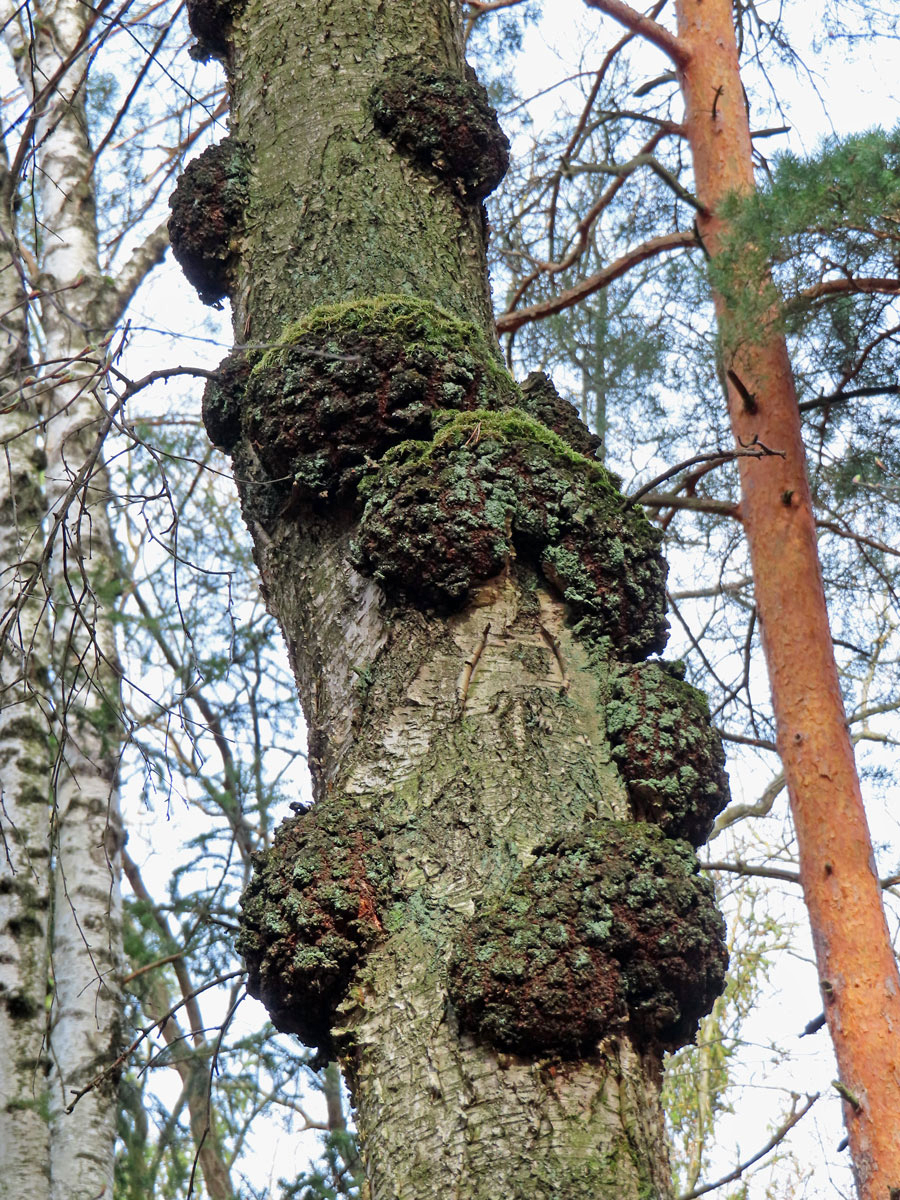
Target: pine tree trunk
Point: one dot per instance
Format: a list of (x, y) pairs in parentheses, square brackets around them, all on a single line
[(464, 773), (857, 969)]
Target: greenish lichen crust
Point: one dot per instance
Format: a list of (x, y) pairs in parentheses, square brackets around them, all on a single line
[(310, 913), (445, 515), (607, 930), (351, 380), (667, 750)]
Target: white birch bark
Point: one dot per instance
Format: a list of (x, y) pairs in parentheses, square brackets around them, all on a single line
[(85, 1017), (24, 757)]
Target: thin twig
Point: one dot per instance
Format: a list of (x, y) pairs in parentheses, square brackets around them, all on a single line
[(773, 1141), (717, 458)]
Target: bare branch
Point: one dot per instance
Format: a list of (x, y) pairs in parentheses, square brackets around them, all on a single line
[(644, 27), (779, 1134), (509, 322), (111, 304), (145, 1033), (640, 160), (717, 458)]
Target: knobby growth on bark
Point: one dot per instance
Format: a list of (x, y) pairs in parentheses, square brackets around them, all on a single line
[(495, 897)]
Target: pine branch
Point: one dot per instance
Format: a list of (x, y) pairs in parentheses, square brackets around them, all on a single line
[(716, 459), (844, 287), (509, 322), (719, 508), (645, 27), (748, 869)]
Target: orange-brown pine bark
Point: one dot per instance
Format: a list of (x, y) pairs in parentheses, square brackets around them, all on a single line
[(857, 968)]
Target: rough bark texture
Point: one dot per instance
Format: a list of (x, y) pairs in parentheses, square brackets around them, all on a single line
[(84, 1024), (457, 715), (857, 968)]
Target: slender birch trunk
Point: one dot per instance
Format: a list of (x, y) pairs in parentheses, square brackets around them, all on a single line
[(461, 720), (85, 1017), (858, 973), (24, 754)]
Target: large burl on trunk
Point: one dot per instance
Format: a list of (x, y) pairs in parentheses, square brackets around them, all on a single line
[(493, 914)]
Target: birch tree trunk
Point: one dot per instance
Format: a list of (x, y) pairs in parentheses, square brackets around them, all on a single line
[(50, 50), (24, 756), (491, 914)]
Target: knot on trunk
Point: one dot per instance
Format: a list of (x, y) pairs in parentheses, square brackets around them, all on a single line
[(445, 515), (207, 216), (351, 380), (223, 401), (445, 124), (667, 750), (210, 22), (310, 913), (607, 930), (540, 400)]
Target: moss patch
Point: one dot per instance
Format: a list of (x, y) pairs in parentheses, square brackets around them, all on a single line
[(609, 929), (445, 124), (446, 515), (310, 912), (667, 750), (352, 380), (207, 214)]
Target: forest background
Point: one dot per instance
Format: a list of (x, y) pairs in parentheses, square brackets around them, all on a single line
[(209, 742)]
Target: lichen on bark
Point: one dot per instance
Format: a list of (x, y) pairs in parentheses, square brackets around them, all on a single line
[(311, 911), (445, 124), (349, 381), (207, 215), (608, 929), (667, 749), (445, 515)]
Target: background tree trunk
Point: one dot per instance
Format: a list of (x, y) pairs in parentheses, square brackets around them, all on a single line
[(84, 1032), (24, 758), (857, 968)]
